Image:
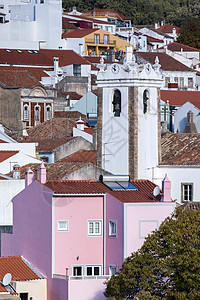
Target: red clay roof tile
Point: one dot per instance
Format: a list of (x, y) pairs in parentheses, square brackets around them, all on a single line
[(6, 154), (18, 268), (143, 194), (180, 47), (167, 62), (82, 156), (168, 28), (178, 98)]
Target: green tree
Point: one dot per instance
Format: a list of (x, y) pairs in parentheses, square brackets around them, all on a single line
[(166, 267), (190, 33)]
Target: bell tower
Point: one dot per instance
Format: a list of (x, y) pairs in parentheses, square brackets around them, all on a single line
[(128, 127)]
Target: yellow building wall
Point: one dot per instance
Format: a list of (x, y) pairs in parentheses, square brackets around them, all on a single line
[(114, 42), (37, 289)]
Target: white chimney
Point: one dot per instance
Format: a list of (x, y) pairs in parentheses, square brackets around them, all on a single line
[(80, 124)]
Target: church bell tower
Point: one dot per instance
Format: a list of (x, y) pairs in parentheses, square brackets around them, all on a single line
[(128, 127)]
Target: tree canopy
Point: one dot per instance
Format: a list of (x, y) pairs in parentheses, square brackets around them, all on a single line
[(167, 266), (190, 33), (143, 11)]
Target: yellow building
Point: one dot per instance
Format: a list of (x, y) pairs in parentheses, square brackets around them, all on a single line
[(97, 41)]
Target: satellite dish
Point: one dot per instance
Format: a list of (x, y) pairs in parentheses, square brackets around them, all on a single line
[(156, 191), (7, 279)]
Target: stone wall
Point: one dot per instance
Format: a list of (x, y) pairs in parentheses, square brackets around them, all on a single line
[(71, 147), (133, 131), (10, 109), (73, 84), (99, 127)]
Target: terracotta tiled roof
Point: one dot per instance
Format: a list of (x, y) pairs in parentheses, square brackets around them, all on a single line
[(190, 205), (168, 28), (27, 57), (6, 154), (17, 79), (88, 130), (2, 141), (143, 194), (106, 13), (82, 156), (72, 95), (181, 149), (66, 57), (167, 62), (96, 60), (38, 73), (18, 268), (180, 47), (55, 171), (69, 114), (80, 33), (51, 144), (57, 128), (152, 28), (152, 39), (83, 17), (67, 24), (178, 98)]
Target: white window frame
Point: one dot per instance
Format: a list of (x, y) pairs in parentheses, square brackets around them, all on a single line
[(26, 112), (110, 229), (187, 185), (48, 112), (94, 227), (77, 266), (39, 113), (112, 267), (93, 266), (59, 229)]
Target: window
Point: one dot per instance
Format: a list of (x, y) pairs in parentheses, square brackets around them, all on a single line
[(63, 225), (94, 228), (175, 79), (190, 83), (93, 270), (187, 191), (1, 6), (48, 112), (37, 113), (41, 1), (96, 39), (112, 270), (117, 103), (44, 158), (105, 39), (167, 80), (113, 228), (145, 101), (26, 112), (77, 70), (181, 82), (23, 296), (78, 271)]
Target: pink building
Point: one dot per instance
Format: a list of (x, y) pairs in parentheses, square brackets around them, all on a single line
[(77, 233)]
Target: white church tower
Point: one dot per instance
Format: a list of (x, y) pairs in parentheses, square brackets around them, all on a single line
[(128, 128)]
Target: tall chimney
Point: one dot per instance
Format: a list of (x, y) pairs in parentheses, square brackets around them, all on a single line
[(29, 177), (166, 189), (42, 174), (16, 171)]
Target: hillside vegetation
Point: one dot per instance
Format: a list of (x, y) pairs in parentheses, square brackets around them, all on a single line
[(143, 11)]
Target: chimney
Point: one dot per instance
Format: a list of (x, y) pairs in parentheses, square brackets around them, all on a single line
[(80, 124), (190, 126), (29, 177), (16, 171), (42, 174), (81, 52), (156, 25), (129, 54), (166, 189), (174, 32)]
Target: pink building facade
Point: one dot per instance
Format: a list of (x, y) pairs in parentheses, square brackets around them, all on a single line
[(77, 233)]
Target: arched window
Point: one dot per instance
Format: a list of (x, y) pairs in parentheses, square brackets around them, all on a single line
[(145, 101), (37, 113), (48, 112), (25, 112), (117, 103)]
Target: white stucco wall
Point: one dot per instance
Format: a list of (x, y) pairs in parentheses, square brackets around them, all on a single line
[(8, 189), (180, 117)]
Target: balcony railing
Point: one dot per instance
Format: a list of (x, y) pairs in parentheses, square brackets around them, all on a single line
[(100, 42), (59, 276)]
